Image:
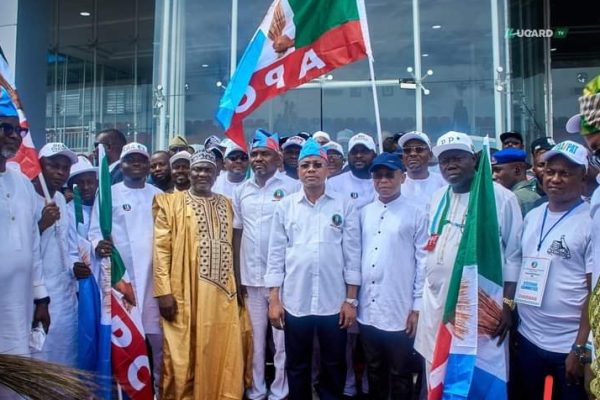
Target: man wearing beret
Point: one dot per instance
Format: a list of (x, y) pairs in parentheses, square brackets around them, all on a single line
[(509, 169)]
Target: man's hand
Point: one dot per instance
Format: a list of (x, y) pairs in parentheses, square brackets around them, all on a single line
[(50, 214), (81, 271), (411, 323), (347, 316), (104, 249), (167, 306), (573, 369), (276, 313), (41, 314), (504, 325)]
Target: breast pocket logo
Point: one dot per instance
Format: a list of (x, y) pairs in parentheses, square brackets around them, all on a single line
[(278, 195), (336, 221), (354, 195), (126, 207)]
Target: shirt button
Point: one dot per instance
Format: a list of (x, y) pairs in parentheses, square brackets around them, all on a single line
[(375, 248), (373, 282), (373, 300), (373, 265), (12, 218), (379, 232), (381, 217), (8, 195)]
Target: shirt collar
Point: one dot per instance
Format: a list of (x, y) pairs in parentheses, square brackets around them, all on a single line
[(302, 195)]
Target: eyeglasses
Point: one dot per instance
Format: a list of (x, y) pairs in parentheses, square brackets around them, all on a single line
[(9, 129), (240, 157), (383, 175), (313, 164), (334, 156), (415, 149)]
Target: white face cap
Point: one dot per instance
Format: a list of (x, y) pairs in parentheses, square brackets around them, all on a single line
[(414, 135), (134, 148), (361, 138), (231, 147), (334, 146), (293, 141), (324, 136), (57, 149), (453, 141), (575, 152), (82, 166), (182, 155)]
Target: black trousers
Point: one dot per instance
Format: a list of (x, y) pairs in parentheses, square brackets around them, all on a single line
[(388, 357), (299, 334)]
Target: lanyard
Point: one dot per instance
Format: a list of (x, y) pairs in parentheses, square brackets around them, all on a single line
[(542, 236), (442, 220)]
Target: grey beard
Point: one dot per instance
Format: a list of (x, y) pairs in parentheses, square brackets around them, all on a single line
[(7, 153)]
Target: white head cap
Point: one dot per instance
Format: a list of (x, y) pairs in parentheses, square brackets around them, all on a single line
[(453, 141), (414, 135), (182, 155), (574, 152), (361, 138), (82, 166), (134, 148), (57, 149)]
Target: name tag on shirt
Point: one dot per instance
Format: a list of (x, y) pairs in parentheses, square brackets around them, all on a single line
[(532, 281)]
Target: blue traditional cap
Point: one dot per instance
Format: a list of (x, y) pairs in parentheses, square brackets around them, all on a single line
[(203, 156), (263, 139), (388, 160), (7, 107), (509, 155), (312, 148)]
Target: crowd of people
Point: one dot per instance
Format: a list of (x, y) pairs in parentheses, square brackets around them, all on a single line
[(333, 262)]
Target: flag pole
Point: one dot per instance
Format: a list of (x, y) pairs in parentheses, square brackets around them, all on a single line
[(44, 188), (362, 11)]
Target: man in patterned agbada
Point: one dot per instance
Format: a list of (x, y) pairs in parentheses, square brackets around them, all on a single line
[(196, 289)]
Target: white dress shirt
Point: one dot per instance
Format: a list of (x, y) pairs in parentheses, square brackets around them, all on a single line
[(253, 208), (421, 191), (393, 263), (314, 252), (360, 191), (224, 186)]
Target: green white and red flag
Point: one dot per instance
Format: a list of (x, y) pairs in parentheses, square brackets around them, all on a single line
[(297, 41)]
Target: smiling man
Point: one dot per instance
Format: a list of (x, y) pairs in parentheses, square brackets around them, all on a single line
[(132, 235), (554, 328), (22, 289), (254, 202), (180, 171), (420, 183), (61, 343), (196, 289), (313, 273), (236, 166), (449, 205)]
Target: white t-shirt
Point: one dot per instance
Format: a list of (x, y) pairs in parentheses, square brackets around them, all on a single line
[(360, 191), (553, 326), (420, 191), (224, 186)]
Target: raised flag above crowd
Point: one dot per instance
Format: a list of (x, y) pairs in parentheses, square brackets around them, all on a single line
[(297, 41)]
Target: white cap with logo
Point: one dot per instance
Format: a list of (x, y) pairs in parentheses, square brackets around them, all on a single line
[(181, 155), (57, 149), (134, 148), (334, 146), (293, 141), (574, 152), (414, 135), (322, 135), (361, 138), (82, 166), (232, 147), (453, 141)]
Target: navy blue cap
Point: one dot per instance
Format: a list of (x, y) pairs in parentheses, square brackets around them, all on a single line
[(389, 160), (509, 155)]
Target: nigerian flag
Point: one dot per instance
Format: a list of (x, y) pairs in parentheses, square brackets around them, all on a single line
[(467, 363), (297, 41)]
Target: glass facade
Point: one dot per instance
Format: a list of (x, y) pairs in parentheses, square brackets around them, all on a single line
[(157, 68)]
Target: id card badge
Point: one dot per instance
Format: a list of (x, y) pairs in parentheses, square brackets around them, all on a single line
[(532, 281)]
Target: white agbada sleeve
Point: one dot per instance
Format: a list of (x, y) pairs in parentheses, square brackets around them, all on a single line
[(511, 221), (420, 240)]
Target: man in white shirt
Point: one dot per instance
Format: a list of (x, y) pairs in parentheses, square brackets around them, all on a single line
[(356, 183), (253, 204), (236, 167), (456, 155), (291, 149), (335, 158), (61, 343), (313, 271), (556, 241), (180, 170), (394, 234), (132, 235), (420, 183)]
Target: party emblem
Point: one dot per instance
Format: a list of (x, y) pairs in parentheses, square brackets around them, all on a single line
[(354, 195), (337, 220), (126, 207), (278, 194)]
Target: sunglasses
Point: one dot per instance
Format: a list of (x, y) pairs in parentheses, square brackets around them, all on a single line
[(383, 175), (415, 149), (334, 156), (313, 164), (240, 157), (9, 129)]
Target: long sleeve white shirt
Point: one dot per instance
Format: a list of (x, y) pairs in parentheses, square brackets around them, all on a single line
[(393, 263), (253, 208), (314, 252), (360, 191)]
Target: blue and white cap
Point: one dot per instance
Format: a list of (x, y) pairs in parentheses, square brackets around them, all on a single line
[(574, 152)]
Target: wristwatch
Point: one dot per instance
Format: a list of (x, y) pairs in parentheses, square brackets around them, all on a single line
[(581, 351), (510, 303), (352, 302)]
